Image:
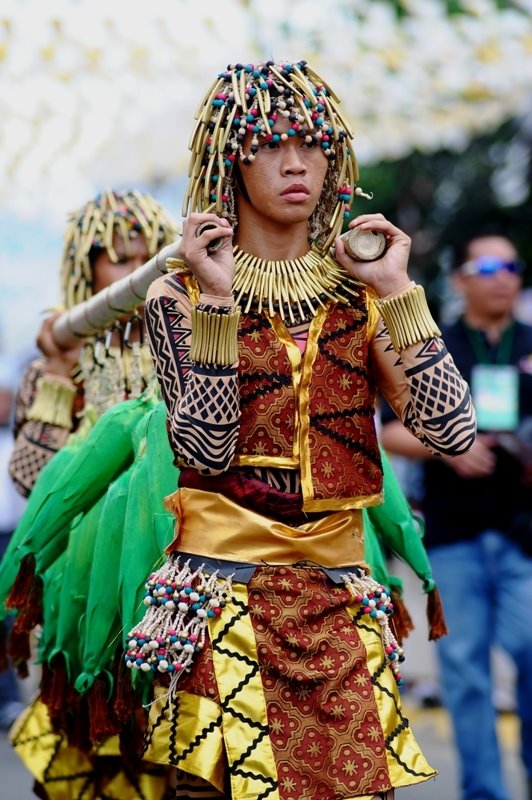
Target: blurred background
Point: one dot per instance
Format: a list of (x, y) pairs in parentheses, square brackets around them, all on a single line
[(96, 95)]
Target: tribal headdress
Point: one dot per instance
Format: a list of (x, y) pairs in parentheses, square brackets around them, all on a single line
[(92, 227), (248, 98)]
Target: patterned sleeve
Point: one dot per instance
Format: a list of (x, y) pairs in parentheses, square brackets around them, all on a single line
[(35, 442), (426, 391), (203, 400)]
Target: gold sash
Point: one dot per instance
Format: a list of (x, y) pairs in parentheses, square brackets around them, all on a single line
[(208, 524)]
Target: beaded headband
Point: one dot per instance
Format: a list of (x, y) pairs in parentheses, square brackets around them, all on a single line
[(248, 98), (92, 227)]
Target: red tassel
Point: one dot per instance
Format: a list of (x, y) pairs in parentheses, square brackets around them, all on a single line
[(19, 649), (131, 737), (54, 691), (77, 724), (46, 683), (435, 615), (30, 614), (20, 591), (129, 715), (401, 620), (124, 697), (100, 712)]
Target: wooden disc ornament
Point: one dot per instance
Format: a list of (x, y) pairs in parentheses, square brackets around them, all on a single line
[(213, 246), (364, 245)]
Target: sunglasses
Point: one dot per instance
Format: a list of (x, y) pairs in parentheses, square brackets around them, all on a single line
[(490, 265)]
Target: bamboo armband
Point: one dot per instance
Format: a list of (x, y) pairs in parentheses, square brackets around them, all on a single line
[(214, 337), (53, 402), (408, 318)]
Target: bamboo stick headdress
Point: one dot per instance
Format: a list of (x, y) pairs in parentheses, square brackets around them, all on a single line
[(93, 226), (248, 98)]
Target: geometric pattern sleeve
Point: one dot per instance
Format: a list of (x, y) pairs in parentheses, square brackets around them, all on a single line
[(202, 400), (426, 391), (35, 442)]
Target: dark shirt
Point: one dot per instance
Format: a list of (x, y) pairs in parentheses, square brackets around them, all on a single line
[(457, 508)]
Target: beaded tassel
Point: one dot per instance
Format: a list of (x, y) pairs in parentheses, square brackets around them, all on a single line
[(180, 602), (376, 602)]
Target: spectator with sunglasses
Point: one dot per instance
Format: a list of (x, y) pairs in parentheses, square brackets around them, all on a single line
[(478, 512)]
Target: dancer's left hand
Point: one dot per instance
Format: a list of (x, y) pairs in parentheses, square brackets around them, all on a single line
[(389, 272)]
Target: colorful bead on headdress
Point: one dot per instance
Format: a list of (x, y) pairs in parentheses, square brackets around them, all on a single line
[(93, 227), (248, 99)]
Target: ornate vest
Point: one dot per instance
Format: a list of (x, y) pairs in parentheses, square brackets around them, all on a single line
[(313, 412)]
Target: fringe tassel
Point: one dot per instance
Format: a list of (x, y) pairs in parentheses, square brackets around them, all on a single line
[(102, 725), (77, 724), (29, 615), (435, 615), (376, 603), (19, 649), (21, 589), (57, 693), (124, 696), (172, 632), (130, 741), (44, 686), (401, 620)]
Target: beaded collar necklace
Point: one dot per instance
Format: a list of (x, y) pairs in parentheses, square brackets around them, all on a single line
[(292, 288)]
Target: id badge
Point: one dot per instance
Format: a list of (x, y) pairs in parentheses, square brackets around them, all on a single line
[(495, 391)]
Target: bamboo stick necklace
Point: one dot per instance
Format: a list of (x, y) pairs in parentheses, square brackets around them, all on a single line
[(293, 288)]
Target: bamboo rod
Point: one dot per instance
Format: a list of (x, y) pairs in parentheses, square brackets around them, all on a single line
[(104, 308)]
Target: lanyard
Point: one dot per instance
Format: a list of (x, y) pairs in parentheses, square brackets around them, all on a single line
[(485, 354)]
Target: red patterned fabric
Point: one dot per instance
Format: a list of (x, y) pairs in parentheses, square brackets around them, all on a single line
[(325, 728), (267, 400), (325, 731), (342, 438)]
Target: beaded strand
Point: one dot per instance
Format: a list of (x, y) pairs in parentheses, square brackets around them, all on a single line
[(179, 603), (377, 603)]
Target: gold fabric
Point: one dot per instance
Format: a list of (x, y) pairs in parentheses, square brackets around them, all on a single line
[(244, 718), (173, 726), (199, 735), (64, 770), (236, 730), (209, 524), (403, 748), (67, 773)]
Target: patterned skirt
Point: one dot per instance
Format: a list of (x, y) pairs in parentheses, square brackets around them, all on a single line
[(291, 698)]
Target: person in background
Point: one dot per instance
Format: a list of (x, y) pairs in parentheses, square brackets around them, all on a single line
[(478, 511), (110, 236), (63, 393)]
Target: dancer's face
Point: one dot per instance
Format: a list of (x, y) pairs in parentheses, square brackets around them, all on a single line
[(283, 184), (106, 271)]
